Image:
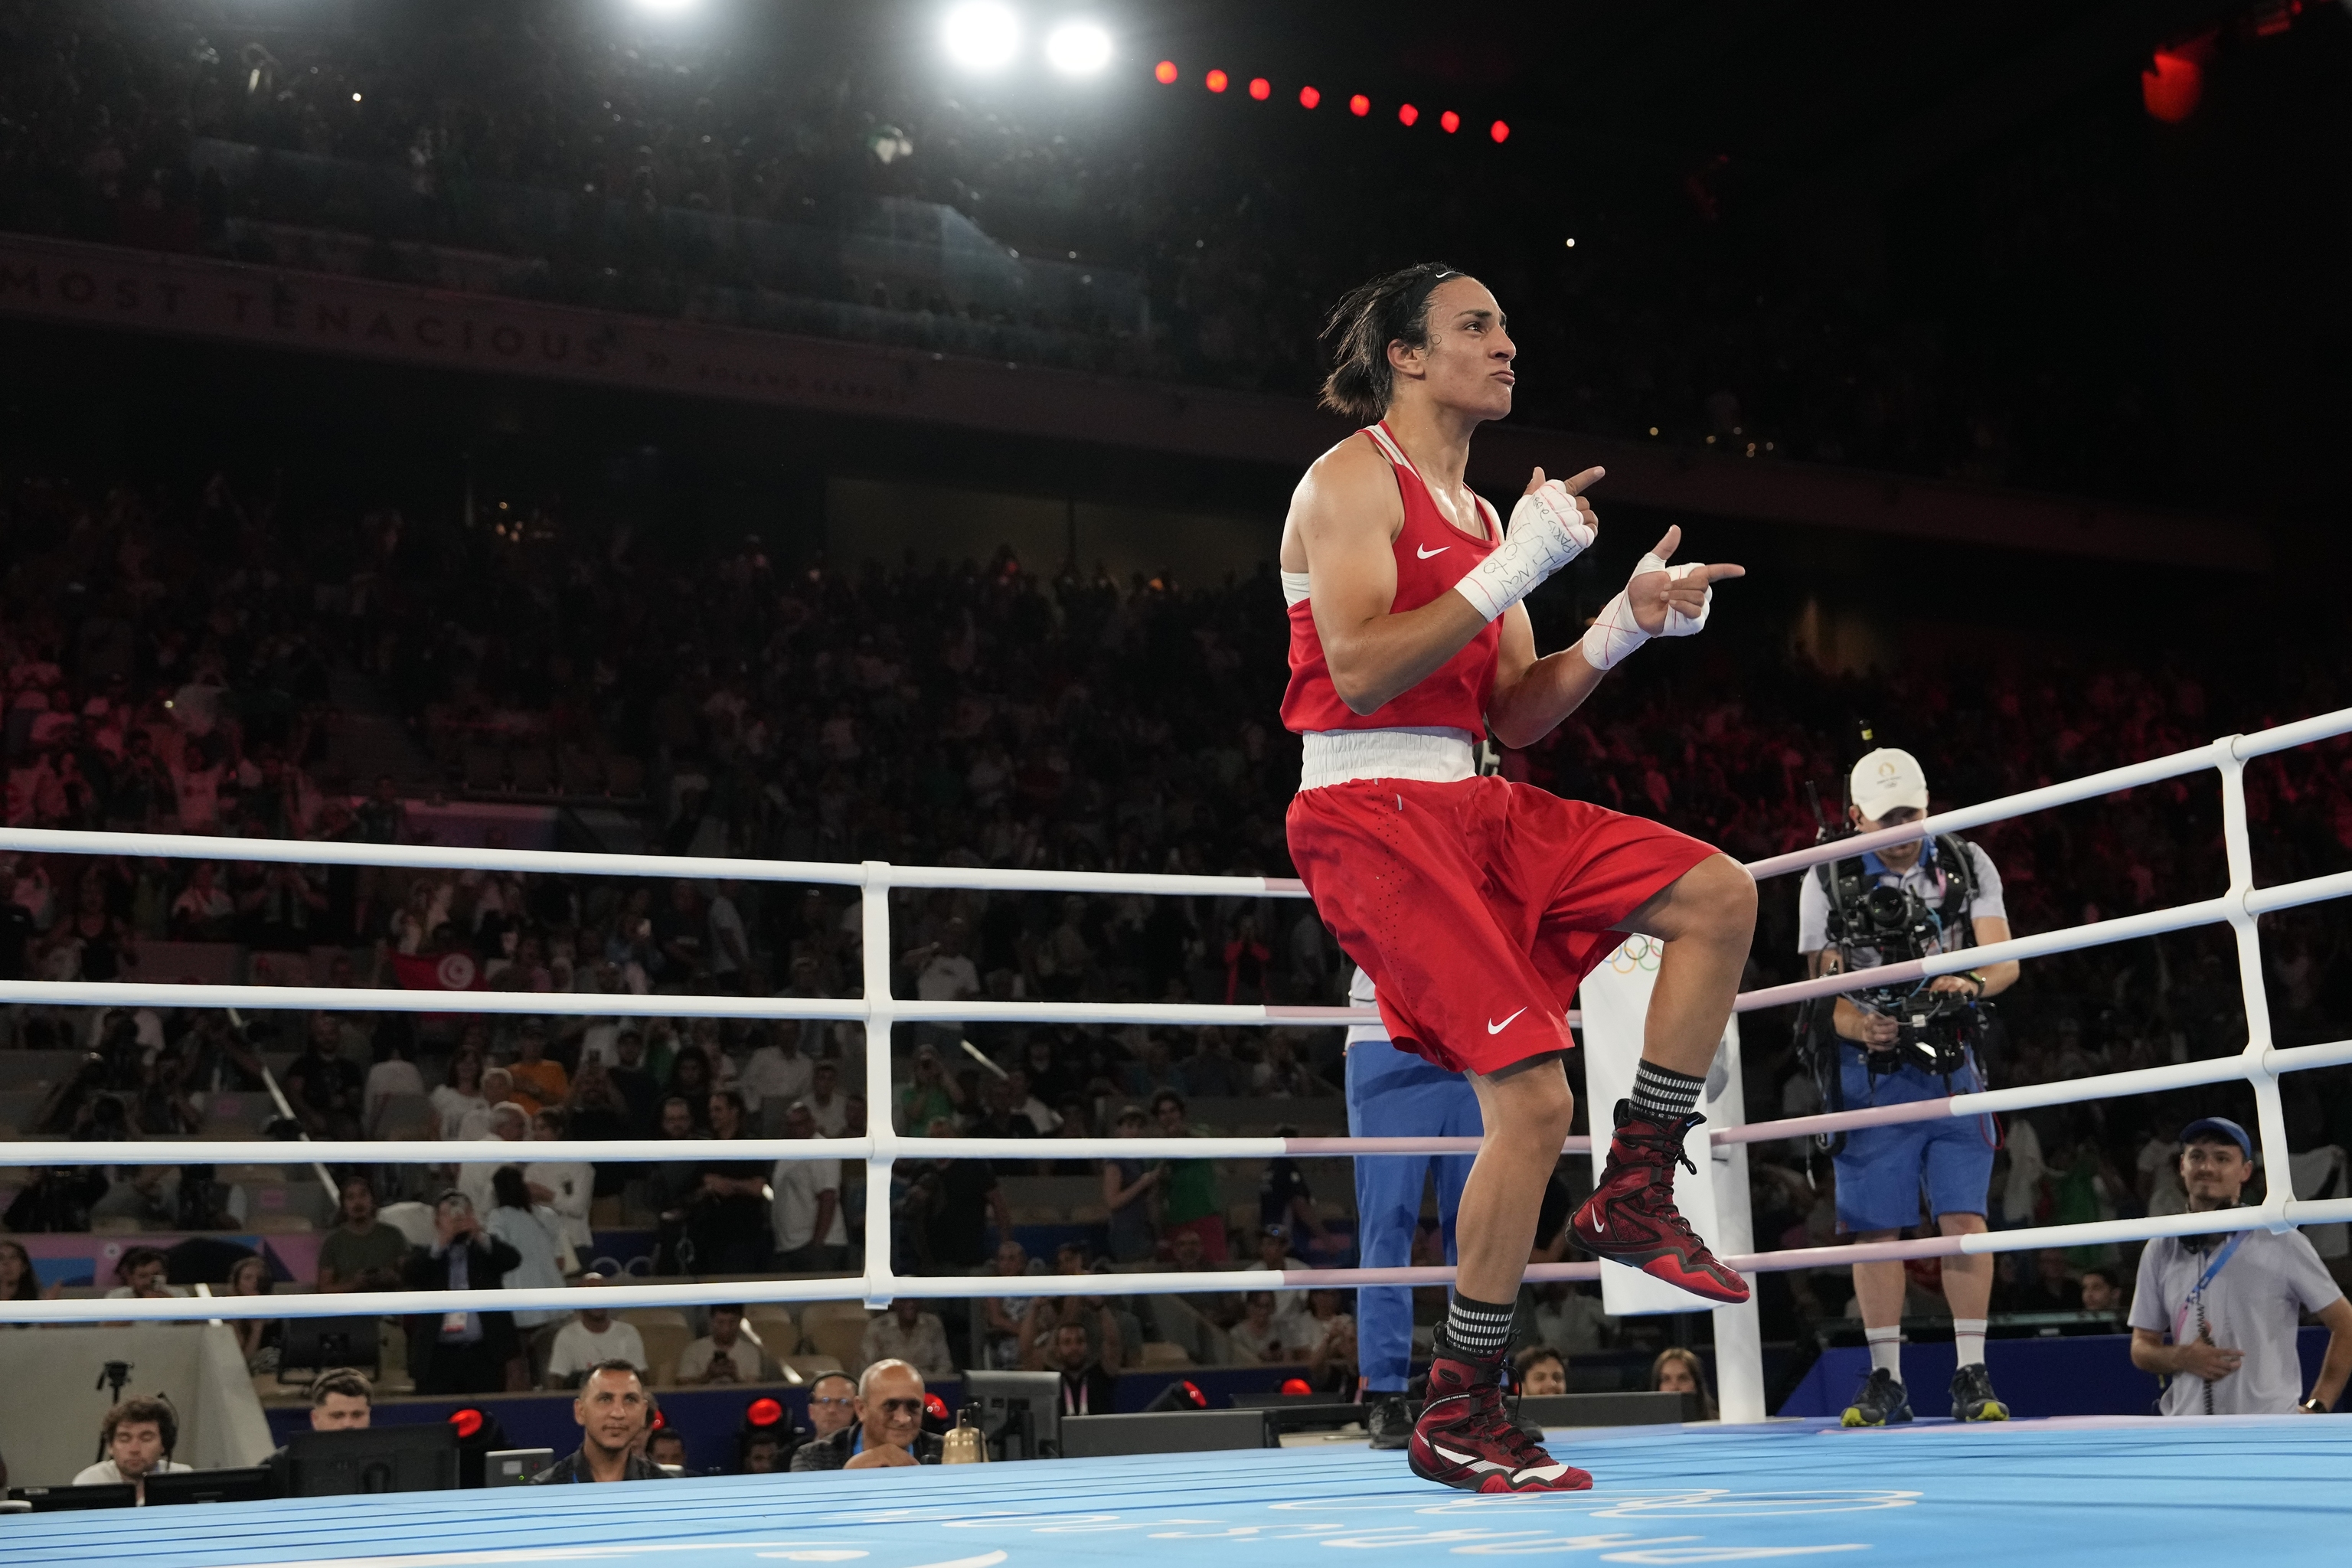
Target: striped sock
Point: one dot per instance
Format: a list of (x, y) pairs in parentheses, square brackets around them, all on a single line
[(1661, 1094), (1477, 1328)]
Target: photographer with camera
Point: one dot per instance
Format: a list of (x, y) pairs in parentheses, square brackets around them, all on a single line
[(1898, 1044)]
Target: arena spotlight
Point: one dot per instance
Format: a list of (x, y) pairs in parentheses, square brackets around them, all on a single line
[(665, 7), (1309, 97), (982, 35), (1077, 48)]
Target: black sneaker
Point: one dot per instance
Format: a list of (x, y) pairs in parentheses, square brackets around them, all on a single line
[(1390, 1421), (1880, 1402), (1972, 1395)]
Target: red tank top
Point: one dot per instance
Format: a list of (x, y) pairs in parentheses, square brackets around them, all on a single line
[(1432, 555)]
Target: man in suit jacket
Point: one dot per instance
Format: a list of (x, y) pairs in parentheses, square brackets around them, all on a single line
[(469, 1351)]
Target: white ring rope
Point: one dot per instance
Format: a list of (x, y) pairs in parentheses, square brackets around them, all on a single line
[(2259, 1064)]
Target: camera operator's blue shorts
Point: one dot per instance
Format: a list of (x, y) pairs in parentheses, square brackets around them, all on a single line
[(1883, 1170)]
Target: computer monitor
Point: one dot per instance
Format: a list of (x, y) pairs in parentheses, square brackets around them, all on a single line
[(310, 1345), (514, 1467), (1020, 1412), (408, 1458), (211, 1486), (57, 1500)]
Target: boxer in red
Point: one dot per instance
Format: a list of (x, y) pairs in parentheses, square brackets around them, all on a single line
[(1476, 905)]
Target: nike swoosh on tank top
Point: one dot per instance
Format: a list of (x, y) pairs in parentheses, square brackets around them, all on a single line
[(1432, 555)]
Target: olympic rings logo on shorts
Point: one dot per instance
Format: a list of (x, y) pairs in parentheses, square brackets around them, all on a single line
[(1641, 952)]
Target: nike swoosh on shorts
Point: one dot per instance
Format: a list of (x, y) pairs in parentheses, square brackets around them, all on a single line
[(1493, 1027)]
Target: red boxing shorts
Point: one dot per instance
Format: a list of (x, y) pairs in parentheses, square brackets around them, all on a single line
[(1477, 907)]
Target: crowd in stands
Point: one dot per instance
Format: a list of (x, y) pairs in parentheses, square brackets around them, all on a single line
[(173, 660), (608, 168)]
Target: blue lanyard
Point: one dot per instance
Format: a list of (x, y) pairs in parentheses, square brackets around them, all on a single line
[(2197, 1292)]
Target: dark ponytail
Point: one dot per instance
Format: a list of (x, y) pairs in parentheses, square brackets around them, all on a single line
[(1393, 307)]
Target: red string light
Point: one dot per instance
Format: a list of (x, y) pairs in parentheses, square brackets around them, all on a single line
[(1308, 96), (1359, 106), (1165, 73), (1407, 114), (1499, 131), (1449, 122), (1216, 80)]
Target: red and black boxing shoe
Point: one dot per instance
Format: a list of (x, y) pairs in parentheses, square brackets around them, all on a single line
[(1631, 1216), (1465, 1438)]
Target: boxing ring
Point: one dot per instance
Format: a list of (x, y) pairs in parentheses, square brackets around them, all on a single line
[(1781, 1490)]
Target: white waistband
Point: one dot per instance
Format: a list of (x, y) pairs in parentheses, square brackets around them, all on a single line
[(1343, 756)]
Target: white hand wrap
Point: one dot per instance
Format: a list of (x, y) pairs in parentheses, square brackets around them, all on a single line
[(1548, 531), (1613, 632)]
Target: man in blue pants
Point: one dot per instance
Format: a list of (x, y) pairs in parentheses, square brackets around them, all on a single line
[(1396, 1094)]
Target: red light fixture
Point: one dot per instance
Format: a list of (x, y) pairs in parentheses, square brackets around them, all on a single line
[(1499, 131), (1165, 73), (2172, 90), (468, 1421), (1216, 80), (1449, 122), (1359, 106), (935, 1407), (1260, 88), (1295, 1386), (764, 1412), (1407, 114), (1309, 97)]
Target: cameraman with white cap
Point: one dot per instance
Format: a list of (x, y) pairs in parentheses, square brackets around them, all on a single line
[(1903, 1044)]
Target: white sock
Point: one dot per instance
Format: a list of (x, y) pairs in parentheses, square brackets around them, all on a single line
[(1885, 1351), (1968, 1339)]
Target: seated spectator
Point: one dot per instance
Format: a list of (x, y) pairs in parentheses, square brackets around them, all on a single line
[(777, 1069), (1540, 1371), (1264, 1335), (667, 1449), (614, 1412), (2216, 1316), (460, 1096), (906, 1332), (1679, 1371), (722, 1355), (1087, 1388), (812, 1234), (832, 1403), (889, 1431), (138, 1437), (19, 1281), (478, 1121), (361, 1253), (1331, 1366), (593, 1338), (538, 1082), (257, 1337), (1568, 1315), (327, 1089), (2103, 1289), (462, 1352), (764, 1454), (140, 1277)]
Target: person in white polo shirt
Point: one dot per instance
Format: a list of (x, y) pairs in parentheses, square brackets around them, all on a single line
[(590, 1339), (2216, 1316)]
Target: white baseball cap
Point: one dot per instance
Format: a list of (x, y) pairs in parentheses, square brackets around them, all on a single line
[(1886, 779)]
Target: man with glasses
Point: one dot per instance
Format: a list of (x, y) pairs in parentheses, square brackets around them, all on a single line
[(831, 1404), (1892, 1049), (888, 1430), (2216, 1316)]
